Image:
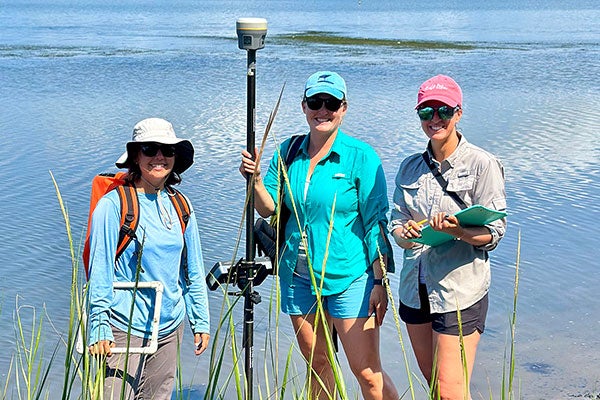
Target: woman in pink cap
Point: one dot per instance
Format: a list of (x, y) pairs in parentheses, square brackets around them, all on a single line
[(447, 283)]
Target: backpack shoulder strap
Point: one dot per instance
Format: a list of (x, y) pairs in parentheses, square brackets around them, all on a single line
[(182, 206), (101, 184), (130, 216), (292, 152)]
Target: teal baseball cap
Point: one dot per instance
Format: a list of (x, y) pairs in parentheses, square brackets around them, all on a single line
[(325, 82)]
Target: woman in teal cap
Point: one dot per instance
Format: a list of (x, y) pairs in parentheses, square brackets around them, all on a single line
[(339, 191)]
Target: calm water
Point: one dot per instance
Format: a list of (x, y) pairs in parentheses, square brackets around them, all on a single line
[(75, 79)]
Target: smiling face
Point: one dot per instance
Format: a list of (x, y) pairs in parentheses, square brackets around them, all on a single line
[(438, 129), (324, 121), (155, 169)]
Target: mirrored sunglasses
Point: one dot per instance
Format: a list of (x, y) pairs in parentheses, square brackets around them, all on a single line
[(445, 112)]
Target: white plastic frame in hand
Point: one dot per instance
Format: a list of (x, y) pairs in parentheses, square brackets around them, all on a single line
[(153, 344)]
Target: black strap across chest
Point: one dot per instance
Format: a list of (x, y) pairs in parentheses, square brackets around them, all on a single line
[(443, 182)]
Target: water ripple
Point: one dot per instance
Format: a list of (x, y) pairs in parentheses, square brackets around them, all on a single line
[(73, 97)]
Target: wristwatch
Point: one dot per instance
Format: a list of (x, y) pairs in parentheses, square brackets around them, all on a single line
[(382, 281)]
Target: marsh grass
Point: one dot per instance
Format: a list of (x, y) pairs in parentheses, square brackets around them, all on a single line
[(329, 38), (282, 374), (32, 371), (508, 368)]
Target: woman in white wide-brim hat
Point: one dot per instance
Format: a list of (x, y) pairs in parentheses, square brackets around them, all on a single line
[(155, 159)]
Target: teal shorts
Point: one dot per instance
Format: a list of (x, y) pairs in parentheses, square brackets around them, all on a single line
[(298, 299)]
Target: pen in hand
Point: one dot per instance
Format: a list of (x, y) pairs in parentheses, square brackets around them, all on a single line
[(423, 222), (420, 223)]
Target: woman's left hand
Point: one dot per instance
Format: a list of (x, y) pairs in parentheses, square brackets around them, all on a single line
[(447, 223), (200, 342), (378, 303)]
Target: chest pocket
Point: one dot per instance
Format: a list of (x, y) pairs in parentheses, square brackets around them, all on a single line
[(410, 192), (344, 188), (462, 184), (410, 188)]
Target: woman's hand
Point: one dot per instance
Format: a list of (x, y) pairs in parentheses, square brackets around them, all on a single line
[(447, 223), (101, 348), (249, 166), (473, 235), (263, 203), (409, 230), (200, 342), (378, 303)]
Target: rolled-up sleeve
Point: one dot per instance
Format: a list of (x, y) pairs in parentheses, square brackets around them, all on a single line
[(271, 179), (373, 207), (490, 192), (400, 213)]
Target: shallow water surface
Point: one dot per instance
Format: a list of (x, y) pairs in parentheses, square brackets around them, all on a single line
[(76, 78)]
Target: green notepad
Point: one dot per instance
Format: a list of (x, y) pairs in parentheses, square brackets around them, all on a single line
[(476, 215)]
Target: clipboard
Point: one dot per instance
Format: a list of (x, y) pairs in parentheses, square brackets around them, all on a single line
[(476, 215)]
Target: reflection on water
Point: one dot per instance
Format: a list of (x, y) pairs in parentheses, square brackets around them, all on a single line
[(74, 90)]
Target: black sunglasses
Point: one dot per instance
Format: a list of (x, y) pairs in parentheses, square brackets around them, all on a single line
[(331, 103), (151, 149), (445, 112)]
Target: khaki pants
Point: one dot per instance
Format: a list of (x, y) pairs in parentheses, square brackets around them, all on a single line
[(148, 376)]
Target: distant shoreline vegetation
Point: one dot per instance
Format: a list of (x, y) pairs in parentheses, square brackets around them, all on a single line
[(320, 37)]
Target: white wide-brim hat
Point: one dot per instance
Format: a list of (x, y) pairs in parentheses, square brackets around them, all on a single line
[(159, 130)]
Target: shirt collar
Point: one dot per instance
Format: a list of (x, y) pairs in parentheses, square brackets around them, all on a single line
[(338, 142), (340, 138), (456, 154)]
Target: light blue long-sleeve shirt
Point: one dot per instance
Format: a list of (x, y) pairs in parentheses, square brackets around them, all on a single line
[(351, 176), (161, 258)]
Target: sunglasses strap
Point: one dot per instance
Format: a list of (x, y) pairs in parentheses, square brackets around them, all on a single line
[(443, 182)]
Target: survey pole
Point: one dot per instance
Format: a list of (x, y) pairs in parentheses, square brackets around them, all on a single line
[(251, 34)]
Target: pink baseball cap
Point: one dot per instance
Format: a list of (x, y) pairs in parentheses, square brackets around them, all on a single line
[(442, 88)]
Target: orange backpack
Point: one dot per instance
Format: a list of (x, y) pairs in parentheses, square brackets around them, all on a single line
[(130, 213)]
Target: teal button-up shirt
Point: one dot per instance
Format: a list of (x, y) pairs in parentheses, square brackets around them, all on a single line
[(347, 193)]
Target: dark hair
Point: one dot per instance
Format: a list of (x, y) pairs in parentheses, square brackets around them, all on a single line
[(134, 172)]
